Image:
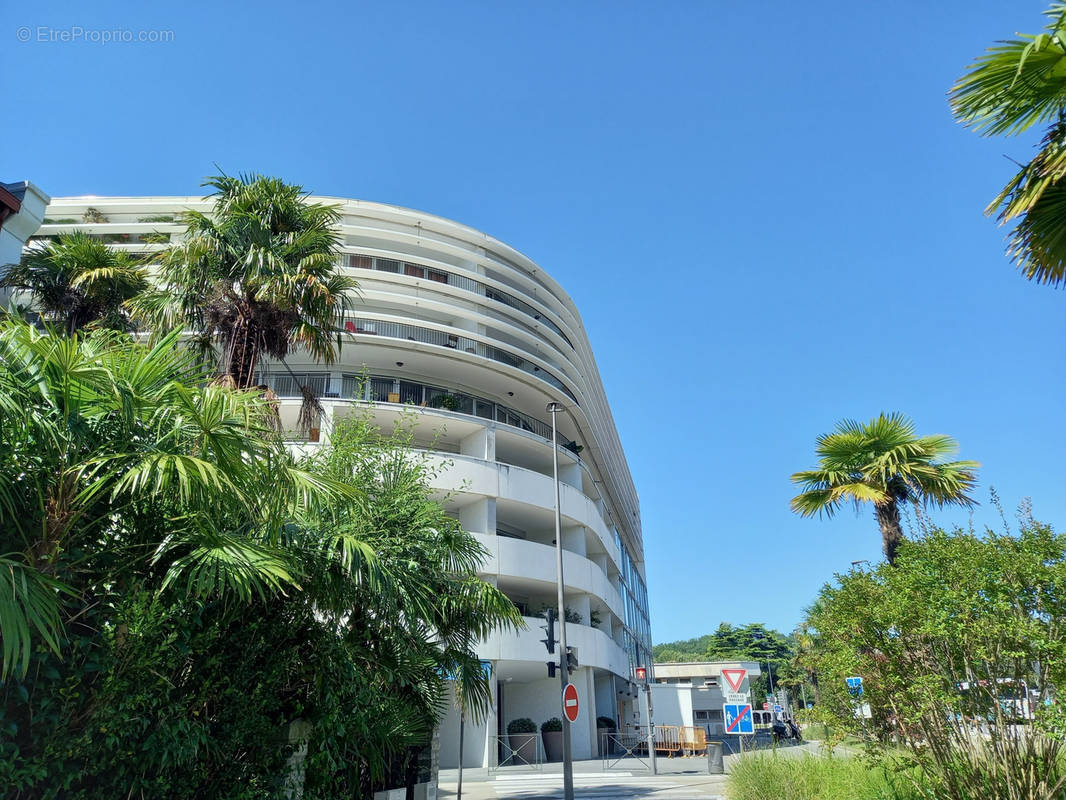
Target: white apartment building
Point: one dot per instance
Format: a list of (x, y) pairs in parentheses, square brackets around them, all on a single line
[(474, 339)]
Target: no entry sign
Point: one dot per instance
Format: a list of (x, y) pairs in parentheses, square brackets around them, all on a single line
[(571, 706)]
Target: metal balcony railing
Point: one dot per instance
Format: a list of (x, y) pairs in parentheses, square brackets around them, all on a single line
[(385, 389), (453, 279), (453, 341)]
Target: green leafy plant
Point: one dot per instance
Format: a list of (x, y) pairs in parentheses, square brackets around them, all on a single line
[(449, 402), (155, 238), (93, 215), (157, 218), (957, 644), (884, 463), (553, 725), (606, 722), (521, 725)]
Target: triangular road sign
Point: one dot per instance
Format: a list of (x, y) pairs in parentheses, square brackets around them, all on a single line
[(735, 678)]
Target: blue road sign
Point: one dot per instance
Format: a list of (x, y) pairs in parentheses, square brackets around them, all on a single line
[(778, 709), (738, 718), (854, 686)]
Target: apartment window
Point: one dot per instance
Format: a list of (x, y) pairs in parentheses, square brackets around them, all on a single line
[(414, 270), (388, 265), (361, 262), (439, 277)]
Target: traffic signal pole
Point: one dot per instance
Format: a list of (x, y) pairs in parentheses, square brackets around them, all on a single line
[(564, 670)]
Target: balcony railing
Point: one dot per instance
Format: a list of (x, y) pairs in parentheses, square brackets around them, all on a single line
[(416, 333), (453, 279), (385, 389)]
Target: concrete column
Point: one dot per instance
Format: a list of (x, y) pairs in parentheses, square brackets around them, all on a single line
[(480, 444), (588, 693), (580, 603), (570, 473), (479, 516), (574, 539)]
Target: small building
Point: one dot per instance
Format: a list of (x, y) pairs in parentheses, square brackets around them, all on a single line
[(690, 694)]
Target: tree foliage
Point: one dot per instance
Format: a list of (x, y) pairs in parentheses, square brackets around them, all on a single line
[(885, 463), (77, 281), (180, 594), (950, 643), (1018, 83), (255, 277)]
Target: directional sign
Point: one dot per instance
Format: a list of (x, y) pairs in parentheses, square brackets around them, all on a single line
[(735, 678), (778, 709), (854, 685), (571, 706), (738, 718)]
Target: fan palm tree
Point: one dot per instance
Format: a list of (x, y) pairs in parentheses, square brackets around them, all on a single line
[(256, 277), (79, 282), (885, 463), (1019, 83), (121, 468)]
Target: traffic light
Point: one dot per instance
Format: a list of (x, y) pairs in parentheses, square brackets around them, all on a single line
[(642, 674), (549, 629), (552, 666), (571, 659)]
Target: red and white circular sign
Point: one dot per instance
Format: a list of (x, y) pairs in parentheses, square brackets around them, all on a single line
[(570, 702)]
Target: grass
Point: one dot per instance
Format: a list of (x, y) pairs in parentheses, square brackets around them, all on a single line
[(768, 777)]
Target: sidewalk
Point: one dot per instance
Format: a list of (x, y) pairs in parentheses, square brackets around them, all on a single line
[(629, 777)]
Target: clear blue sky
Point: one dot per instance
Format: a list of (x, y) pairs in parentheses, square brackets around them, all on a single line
[(763, 210)]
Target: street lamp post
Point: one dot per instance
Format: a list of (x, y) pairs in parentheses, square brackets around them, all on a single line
[(564, 672)]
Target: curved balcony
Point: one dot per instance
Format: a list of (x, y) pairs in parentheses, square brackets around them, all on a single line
[(490, 479), (365, 326), (534, 561), (449, 278), (594, 648)]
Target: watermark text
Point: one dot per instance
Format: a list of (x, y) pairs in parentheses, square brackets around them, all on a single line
[(48, 34)]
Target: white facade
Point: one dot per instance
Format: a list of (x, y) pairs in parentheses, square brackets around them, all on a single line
[(21, 213), (445, 311)]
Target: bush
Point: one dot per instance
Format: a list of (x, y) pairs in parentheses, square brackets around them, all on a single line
[(521, 725), (605, 722), (553, 725), (955, 642), (766, 777)]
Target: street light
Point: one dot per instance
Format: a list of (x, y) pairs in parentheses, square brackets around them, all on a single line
[(554, 408)]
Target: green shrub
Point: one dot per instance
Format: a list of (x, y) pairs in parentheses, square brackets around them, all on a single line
[(605, 722), (553, 725), (521, 725), (767, 777)]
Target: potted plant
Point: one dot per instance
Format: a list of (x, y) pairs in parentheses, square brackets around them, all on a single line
[(522, 740), (449, 402), (552, 731), (604, 728)]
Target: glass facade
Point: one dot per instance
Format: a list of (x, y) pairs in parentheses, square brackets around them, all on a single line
[(634, 594)]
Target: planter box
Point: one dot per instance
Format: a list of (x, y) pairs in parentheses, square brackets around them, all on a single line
[(553, 745)]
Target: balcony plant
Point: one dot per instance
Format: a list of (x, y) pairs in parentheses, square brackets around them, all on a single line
[(594, 618), (522, 740), (449, 402), (552, 731), (155, 238)]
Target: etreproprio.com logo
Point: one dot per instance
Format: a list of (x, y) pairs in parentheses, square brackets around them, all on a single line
[(76, 33)]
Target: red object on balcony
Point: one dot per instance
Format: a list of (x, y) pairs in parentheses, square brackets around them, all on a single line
[(349, 326)]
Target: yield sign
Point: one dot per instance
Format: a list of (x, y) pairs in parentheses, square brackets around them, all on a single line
[(570, 702), (735, 678)]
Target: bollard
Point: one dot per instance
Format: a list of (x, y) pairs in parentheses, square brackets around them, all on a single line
[(715, 765)]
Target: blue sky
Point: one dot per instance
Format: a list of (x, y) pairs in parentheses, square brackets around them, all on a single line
[(764, 212)]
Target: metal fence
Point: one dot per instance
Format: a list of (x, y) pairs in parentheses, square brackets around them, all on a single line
[(518, 750)]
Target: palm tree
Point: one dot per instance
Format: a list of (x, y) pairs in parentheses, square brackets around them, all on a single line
[(884, 463), (121, 468), (79, 282), (1013, 86), (256, 277)]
